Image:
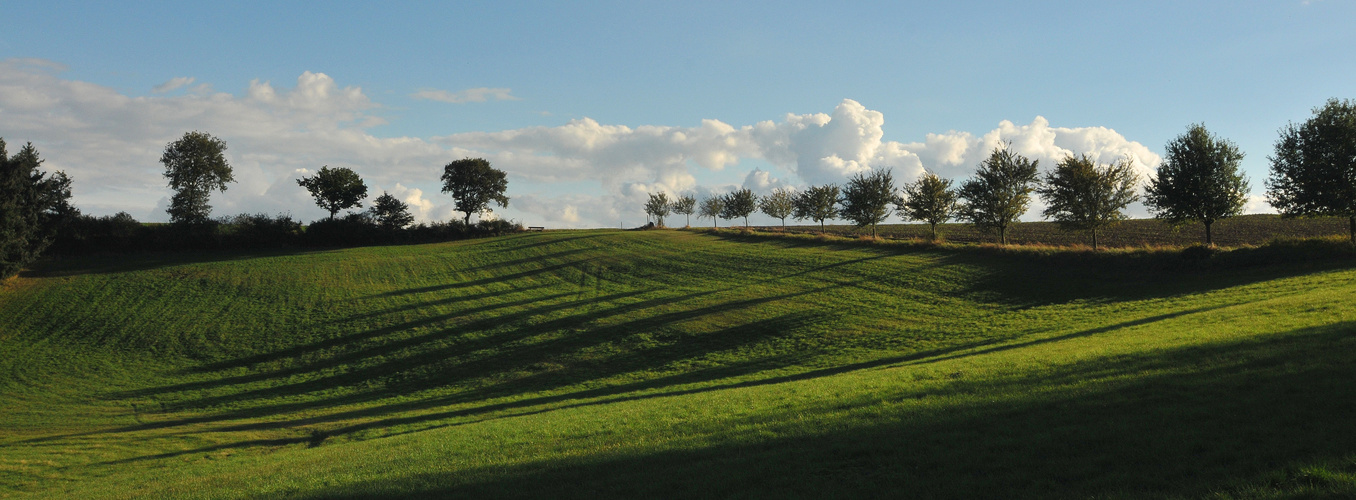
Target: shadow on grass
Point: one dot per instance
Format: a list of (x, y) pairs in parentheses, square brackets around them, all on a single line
[(1190, 422)]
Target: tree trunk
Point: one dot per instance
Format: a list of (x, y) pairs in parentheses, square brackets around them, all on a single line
[(1003, 235), (1094, 239), (821, 226), (934, 231), (1210, 242), (783, 224), (1352, 221), (873, 230), (467, 220)]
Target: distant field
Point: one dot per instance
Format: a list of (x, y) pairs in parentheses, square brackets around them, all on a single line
[(611, 364), (1235, 231)]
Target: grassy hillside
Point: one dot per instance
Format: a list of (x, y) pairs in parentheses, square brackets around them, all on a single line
[(672, 363), (1254, 229)]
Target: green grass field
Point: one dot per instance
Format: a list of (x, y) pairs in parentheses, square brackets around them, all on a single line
[(593, 364)]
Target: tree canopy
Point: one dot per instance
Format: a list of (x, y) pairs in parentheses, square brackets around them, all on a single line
[(739, 203), (473, 184), (1199, 180), (33, 205), (867, 198), (713, 207), (658, 207), (195, 165), (1313, 171), (686, 205), (929, 199), (390, 213), (1000, 191), (779, 204), (1081, 195), (335, 189), (818, 203)]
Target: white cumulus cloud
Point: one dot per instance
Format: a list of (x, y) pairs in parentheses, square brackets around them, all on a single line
[(173, 83)]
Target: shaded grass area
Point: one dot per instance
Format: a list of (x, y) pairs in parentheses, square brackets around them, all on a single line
[(666, 362), (1255, 229)]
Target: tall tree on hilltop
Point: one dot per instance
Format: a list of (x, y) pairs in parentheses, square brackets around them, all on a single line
[(740, 203), (686, 205), (335, 189), (474, 184), (391, 213), (659, 207), (818, 203), (195, 165), (1081, 195), (713, 207), (1000, 192), (929, 199), (33, 206), (1313, 172), (778, 205), (1199, 180), (867, 198)]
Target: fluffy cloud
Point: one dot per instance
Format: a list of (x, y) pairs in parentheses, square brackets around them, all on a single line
[(579, 174), (480, 94)]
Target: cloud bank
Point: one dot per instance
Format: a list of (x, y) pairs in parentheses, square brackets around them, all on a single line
[(579, 174)]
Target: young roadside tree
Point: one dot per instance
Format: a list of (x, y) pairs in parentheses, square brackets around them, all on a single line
[(867, 198), (686, 205), (929, 199), (390, 213), (335, 189), (712, 207), (1313, 172), (1082, 195), (819, 203), (195, 166), (474, 184), (739, 204), (658, 206), (33, 206), (1199, 180), (1000, 191), (778, 205)]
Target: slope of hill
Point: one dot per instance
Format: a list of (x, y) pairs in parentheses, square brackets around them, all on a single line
[(670, 363)]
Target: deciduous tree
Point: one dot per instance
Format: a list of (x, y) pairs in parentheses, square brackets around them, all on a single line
[(1313, 172), (712, 207), (335, 189), (195, 166), (779, 204), (658, 207), (686, 205), (819, 203), (740, 203), (1199, 180), (1000, 191), (390, 213), (474, 184), (929, 199), (1081, 195), (867, 198)]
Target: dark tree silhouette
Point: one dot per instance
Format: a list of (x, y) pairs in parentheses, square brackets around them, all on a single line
[(1199, 180), (1081, 195), (659, 207), (33, 206), (819, 203), (778, 205), (740, 203), (686, 205), (867, 198), (712, 207), (474, 184), (1000, 191), (195, 166), (1313, 172), (929, 199), (335, 189), (390, 213)]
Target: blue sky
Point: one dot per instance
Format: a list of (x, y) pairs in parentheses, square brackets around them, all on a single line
[(591, 106)]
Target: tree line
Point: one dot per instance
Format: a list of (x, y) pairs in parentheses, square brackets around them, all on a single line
[(35, 210), (1313, 173)]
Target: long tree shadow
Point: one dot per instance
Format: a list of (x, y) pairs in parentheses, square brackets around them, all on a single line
[(1184, 423)]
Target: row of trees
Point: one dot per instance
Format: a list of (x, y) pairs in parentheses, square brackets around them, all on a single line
[(1313, 173), (35, 209), (196, 165)]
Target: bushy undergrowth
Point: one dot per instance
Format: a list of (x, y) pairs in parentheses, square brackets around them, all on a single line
[(122, 233)]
